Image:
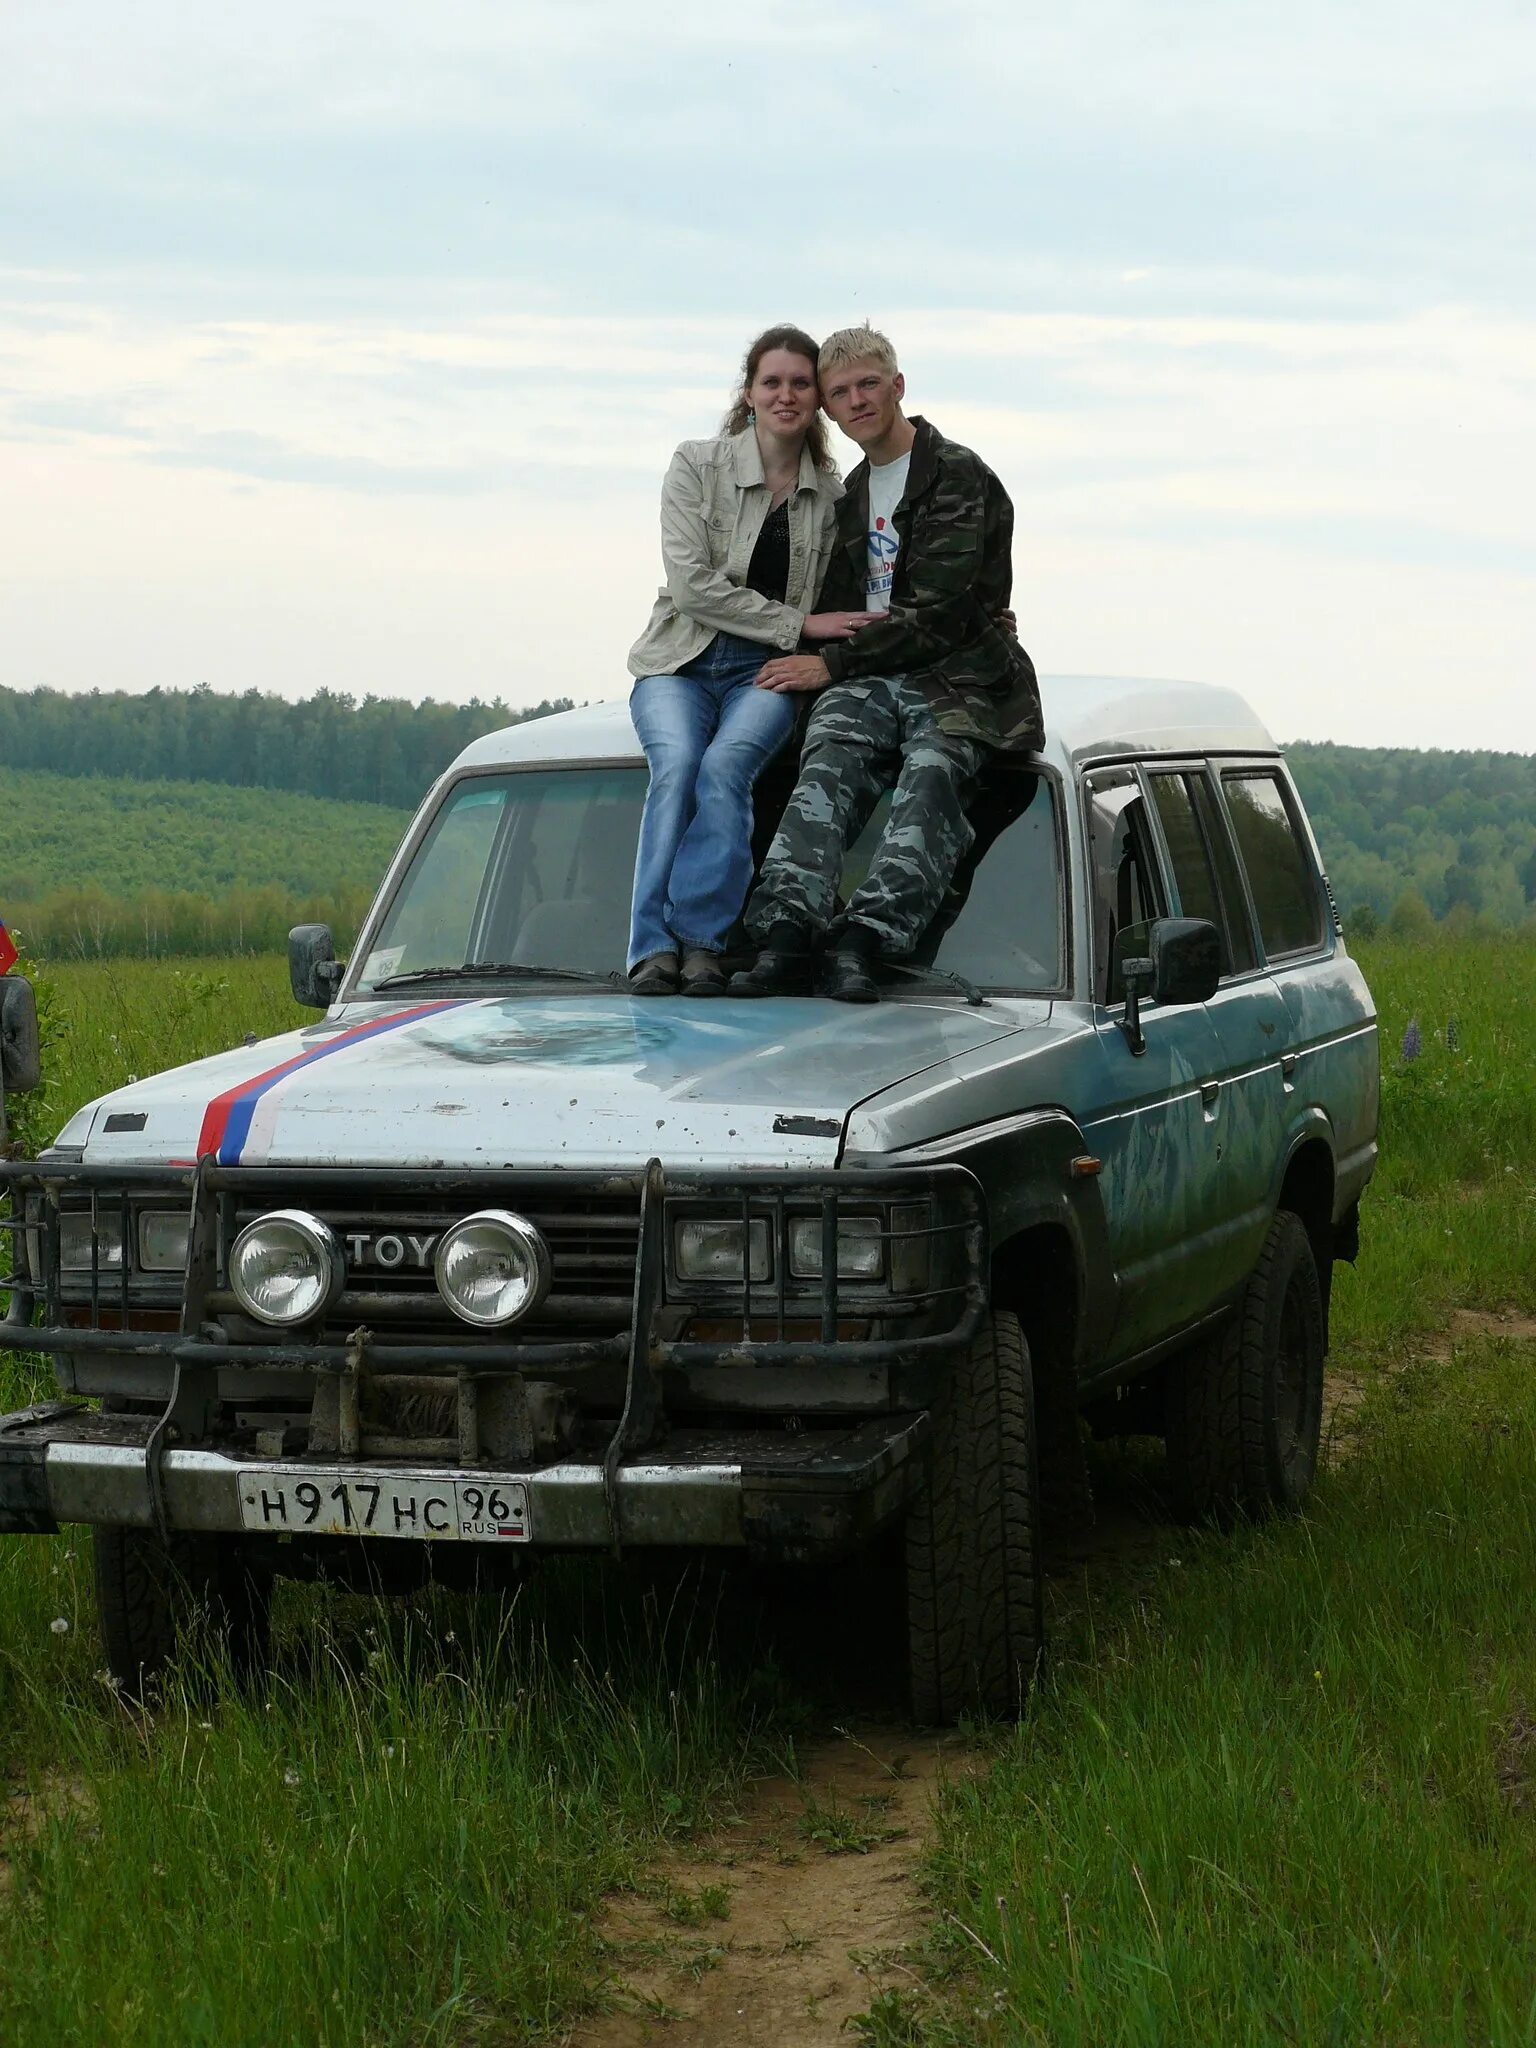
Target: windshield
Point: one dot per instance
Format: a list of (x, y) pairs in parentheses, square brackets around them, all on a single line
[(533, 868)]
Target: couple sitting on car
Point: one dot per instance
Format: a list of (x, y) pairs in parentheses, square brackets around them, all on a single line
[(919, 677)]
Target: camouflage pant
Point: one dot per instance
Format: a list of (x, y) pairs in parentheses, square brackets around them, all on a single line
[(865, 738)]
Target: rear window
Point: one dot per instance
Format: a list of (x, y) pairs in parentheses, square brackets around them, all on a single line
[(1281, 876)]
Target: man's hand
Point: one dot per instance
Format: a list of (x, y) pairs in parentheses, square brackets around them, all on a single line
[(837, 625), (794, 672)]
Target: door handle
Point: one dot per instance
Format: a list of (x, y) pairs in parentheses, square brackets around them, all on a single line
[(1209, 1091), (1287, 1066)]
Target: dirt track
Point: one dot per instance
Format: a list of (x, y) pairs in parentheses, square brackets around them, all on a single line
[(816, 1887), (818, 1891)]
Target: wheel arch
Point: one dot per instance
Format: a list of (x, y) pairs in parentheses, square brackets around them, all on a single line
[(1038, 1274), (1307, 1190)]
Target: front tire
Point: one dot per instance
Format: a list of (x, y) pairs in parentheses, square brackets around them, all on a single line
[(149, 1591), (975, 1620), (1244, 1408)]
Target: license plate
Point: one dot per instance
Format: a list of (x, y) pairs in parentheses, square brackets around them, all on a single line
[(318, 1500)]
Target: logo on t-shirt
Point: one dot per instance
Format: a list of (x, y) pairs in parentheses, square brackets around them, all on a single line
[(883, 546)]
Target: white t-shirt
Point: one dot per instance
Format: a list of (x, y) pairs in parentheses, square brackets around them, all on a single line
[(886, 485)]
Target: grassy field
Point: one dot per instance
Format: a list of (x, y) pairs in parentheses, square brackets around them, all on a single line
[(1276, 1787)]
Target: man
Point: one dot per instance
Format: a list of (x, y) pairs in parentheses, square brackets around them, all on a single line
[(919, 701)]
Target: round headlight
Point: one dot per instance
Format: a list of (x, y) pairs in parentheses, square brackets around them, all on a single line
[(286, 1267), (492, 1267)]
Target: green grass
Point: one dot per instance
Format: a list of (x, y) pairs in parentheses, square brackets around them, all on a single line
[(1276, 1787), (1281, 1787), (403, 1836)]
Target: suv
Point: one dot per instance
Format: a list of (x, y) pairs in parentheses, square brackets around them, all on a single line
[(495, 1258)]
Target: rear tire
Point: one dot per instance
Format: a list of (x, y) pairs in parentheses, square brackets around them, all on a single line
[(1244, 1407), (148, 1592), (975, 1621)]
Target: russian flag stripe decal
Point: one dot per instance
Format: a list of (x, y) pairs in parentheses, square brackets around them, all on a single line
[(227, 1119)]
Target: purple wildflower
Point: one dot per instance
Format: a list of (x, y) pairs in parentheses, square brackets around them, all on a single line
[(1413, 1041)]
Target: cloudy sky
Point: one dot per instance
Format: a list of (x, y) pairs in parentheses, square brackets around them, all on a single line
[(345, 344)]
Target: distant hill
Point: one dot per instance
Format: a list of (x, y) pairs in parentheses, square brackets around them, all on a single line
[(96, 864), (254, 812)]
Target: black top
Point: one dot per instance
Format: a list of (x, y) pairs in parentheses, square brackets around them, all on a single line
[(768, 570)]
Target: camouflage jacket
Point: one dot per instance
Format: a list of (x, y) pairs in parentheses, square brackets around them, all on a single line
[(954, 574)]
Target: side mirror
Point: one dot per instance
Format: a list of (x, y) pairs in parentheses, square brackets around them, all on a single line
[(314, 972), (21, 1066), (1182, 964), (1186, 959)]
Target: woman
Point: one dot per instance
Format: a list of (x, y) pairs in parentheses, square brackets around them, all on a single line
[(746, 531)]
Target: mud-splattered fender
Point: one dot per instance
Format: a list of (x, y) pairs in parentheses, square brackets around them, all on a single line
[(1024, 1164)]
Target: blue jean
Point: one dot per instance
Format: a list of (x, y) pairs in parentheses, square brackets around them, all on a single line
[(708, 734)]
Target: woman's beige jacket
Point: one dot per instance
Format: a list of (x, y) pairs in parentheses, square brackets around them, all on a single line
[(713, 505)]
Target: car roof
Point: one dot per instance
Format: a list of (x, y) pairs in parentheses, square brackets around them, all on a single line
[(1087, 718)]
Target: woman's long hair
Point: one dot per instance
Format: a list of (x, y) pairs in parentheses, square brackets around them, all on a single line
[(799, 343)]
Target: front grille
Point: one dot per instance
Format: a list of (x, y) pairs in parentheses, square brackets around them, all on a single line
[(593, 1244)]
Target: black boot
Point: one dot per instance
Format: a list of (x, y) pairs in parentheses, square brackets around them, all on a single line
[(782, 967), (848, 970)]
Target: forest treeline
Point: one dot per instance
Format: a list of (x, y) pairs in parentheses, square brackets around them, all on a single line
[(1414, 834), (190, 822), (377, 750)]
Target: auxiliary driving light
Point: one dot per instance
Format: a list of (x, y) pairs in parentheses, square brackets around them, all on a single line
[(492, 1267), (286, 1267)]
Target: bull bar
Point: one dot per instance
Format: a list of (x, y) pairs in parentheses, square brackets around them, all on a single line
[(789, 1494)]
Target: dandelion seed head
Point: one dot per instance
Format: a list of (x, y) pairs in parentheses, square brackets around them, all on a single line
[(59, 1625)]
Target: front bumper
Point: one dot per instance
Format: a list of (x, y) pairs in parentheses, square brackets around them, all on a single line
[(779, 1494)]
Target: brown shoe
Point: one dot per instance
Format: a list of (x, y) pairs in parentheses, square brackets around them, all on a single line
[(654, 977), (702, 973)]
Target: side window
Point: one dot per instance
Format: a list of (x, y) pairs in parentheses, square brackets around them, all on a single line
[(1286, 892), (1126, 889), (1204, 872)]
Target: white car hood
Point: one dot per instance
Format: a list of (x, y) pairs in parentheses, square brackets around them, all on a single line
[(526, 1081)]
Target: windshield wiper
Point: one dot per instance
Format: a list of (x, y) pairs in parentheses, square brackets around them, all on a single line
[(493, 970), (937, 977)]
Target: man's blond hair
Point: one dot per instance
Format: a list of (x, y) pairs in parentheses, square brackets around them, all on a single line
[(855, 345)]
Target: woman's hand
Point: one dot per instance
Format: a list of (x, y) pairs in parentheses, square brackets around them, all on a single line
[(837, 625)]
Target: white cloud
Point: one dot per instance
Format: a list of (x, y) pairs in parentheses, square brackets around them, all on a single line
[(1331, 515), (346, 343)]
